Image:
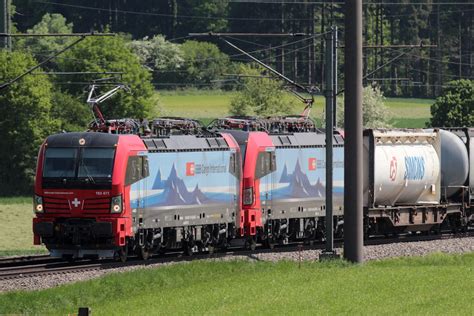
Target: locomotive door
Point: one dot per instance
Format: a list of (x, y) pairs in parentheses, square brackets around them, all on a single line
[(266, 165), (142, 169), (136, 174)]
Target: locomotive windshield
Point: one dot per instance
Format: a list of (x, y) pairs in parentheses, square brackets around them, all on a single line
[(78, 167)]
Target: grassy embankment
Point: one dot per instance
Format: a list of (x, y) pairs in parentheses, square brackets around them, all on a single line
[(205, 105), (16, 235), (433, 285)]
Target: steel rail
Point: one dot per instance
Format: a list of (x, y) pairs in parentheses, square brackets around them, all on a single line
[(62, 267)]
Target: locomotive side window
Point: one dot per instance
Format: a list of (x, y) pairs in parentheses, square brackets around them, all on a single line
[(234, 164), (137, 169), (266, 164), (145, 169)]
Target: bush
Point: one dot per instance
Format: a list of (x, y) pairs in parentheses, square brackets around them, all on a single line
[(204, 63), (455, 108), (260, 96), (375, 113)]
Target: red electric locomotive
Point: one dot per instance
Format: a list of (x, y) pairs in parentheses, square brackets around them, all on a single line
[(283, 195), (103, 194)]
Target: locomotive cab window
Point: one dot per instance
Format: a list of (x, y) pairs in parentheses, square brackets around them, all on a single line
[(78, 163), (137, 169), (60, 163), (96, 162), (78, 167)]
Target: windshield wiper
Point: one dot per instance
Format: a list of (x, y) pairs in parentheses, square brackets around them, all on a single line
[(91, 179)]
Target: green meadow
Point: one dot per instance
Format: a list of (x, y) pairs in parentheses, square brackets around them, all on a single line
[(433, 285), (205, 105), (16, 233)]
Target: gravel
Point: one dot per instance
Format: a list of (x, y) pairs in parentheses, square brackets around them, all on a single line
[(378, 252)]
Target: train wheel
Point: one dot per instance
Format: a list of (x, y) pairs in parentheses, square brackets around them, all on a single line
[(270, 243), (188, 248), (250, 244), (122, 254), (210, 249), (144, 253)]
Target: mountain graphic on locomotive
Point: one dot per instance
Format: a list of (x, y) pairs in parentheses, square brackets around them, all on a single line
[(117, 190)]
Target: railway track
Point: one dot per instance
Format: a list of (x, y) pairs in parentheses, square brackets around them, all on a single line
[(45, 265), (27, 260)]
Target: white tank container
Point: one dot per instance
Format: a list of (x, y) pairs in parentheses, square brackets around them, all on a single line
[(454, 163), (401, 168)]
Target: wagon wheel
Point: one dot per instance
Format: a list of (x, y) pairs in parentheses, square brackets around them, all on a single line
[(210, 249), (188, 248), (270, 243)]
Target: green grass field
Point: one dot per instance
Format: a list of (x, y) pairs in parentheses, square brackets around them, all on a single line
[(16, 235), (211, 104), (434, 285)]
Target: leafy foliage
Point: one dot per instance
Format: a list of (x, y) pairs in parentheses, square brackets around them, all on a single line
[(425, 71), (164, 58), (111, 54), (25, 120), (71, 111), (455, 107), (50, 24), (217, 9), (203, 63), (259, 96), (375, 113), (158, 53)]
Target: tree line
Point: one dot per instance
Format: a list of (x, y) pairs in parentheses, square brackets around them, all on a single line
[(52, 99), (418, 72)]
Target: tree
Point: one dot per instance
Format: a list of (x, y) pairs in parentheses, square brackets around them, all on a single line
[(210, 16), (72, 112), (455, 107), (203, 63), (111, 54), (260, 96), (163, 57), (50, 24), (375, 113), (25, 121)]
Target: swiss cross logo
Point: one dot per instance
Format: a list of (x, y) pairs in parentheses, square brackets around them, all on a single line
[(312, 164), (76, 202), (190, 169), (393, 169)]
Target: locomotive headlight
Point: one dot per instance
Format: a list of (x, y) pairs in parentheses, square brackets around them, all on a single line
[(248, 196), (116, 205), (38, 204)]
